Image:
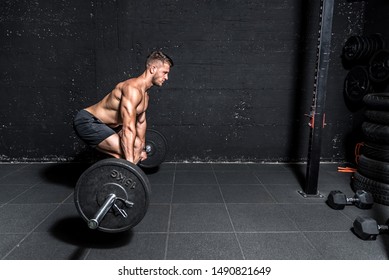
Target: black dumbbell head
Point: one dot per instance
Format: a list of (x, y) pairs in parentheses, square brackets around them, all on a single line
[(364, 200), (337, 200), (366, 228)]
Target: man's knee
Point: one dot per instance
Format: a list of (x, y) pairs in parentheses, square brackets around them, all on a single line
[(109, 152), (111, 146)]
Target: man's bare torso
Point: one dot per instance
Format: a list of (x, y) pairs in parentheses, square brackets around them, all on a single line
[(108, 110)]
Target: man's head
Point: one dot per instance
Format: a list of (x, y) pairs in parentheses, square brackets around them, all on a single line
[(158, 64)]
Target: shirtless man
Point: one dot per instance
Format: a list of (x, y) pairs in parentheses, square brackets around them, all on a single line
[(124, 107)]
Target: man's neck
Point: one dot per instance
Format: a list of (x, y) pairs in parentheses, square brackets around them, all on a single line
[(144, 82)]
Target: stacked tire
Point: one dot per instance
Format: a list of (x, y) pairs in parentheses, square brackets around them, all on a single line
[(373, 166)]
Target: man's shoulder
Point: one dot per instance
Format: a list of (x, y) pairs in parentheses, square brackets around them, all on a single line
[(130, 90), (129, 85)]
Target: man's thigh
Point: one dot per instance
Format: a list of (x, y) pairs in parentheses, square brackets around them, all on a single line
[(91, 130)]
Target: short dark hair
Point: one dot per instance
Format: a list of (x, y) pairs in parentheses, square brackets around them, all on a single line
[(159, 55)]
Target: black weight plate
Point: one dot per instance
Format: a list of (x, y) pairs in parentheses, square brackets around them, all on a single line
[(158, 148), (351, 48), (379, 68), (364, 47), (356, 84), (373, 46), (117, 176), (379, 41), (370, 48)]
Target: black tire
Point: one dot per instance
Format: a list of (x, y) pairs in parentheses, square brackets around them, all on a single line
[(379, 117), (379, 191), (378, 101), (376, 133), (376, 151), (374, 169)]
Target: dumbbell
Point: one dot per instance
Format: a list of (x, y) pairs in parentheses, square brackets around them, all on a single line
[(367, 228), (338, 200)]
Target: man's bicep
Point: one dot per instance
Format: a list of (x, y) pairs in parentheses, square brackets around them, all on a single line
[(127, 109)]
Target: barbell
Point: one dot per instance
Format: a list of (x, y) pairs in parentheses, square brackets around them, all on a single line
[(156, 149), (113, 195)]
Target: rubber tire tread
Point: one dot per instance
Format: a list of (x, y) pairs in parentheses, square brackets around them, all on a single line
[(376, 133), (379, 117), (379, 191), (374, 169), (378, 101), (376, 151)]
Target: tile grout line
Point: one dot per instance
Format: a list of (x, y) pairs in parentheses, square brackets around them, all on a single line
[(311, 243), (20, 194), (288, 217), (170, 214), (63, 203), (229, 216), (301, 231), (264, 186), (32, 230), (12, 172), (44, 219), (296, 225)]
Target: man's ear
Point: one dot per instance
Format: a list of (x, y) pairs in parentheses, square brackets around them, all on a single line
[(153, 69)]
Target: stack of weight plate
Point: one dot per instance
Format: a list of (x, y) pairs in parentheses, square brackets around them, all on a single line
[(369, 64), (373, 165), (379, 66), (362, 47)]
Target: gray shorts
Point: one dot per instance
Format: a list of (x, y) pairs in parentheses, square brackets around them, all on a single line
[(90, 129)]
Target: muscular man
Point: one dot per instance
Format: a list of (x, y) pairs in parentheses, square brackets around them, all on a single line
[(124, 107)]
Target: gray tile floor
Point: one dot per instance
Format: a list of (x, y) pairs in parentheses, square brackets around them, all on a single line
[(197, 211)]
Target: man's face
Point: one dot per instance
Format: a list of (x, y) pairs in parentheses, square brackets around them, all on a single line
[(161, 73)]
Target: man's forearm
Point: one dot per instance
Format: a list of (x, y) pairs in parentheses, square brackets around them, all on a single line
[(141, 132), (127, 141)]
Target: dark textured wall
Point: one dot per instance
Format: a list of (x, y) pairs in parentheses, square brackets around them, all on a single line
[(377, 17), (47, 68), (241, 85)]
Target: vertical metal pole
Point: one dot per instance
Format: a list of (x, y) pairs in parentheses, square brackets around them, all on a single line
[(319, 97)]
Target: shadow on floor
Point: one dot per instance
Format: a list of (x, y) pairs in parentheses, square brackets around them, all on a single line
[(64, 174), (75, 231), (299, 172)]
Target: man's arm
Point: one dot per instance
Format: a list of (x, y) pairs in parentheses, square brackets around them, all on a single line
[(141, 126), (130, 101)]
